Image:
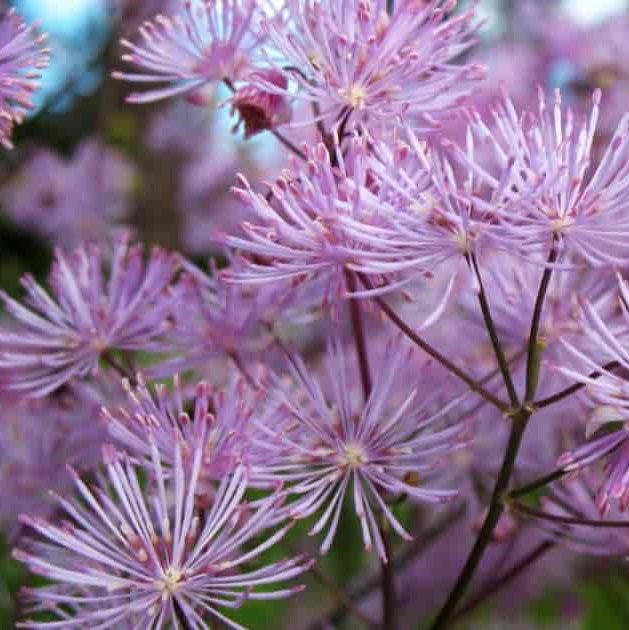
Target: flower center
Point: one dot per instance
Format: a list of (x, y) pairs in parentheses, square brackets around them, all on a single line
[(171, 580), (356, 96), (355, 455)]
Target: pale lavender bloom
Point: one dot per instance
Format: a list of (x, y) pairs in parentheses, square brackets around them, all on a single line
[(207, 41), (371, 451), (71, 200), (22, 56), (221, 426), (564, 197), (181, 130), (38, 438), (215, 319), (353, 61), (148, 557), (96, 306), (432, 212), (205, 197), (306, 227), (610, 393), (576, 499), (613, 448)]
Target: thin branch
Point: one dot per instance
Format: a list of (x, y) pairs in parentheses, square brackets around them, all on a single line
[(433, 352), (532, 363), (536, 484), (496, 508), (389, 604), (399, 562), (565, 520), (519, 423), (493, 335), (109, 358), (568, 391), (496, 585), (342, 598), (359, 337), (289, 145)]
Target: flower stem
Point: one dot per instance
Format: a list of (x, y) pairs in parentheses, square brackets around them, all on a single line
[(497, 584), (496, 507), (289, 145), (567, 520), (182, 620), (399, 561), (343, 599), (388, 578), (387, 583), (568, 391), (359, 338), (493, 335), (434, 353), (536, 484), (390, 6), (532, 364), (520, 418)]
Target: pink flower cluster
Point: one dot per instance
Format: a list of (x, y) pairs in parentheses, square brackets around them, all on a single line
[(415, 323)]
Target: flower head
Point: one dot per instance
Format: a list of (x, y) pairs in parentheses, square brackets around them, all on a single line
[(212, 318), (123, 557), (71, 200), (258, 109), (608, 389), (349, 58), (220, 425), (429, 212), (38, 438), (563, 197), (22, 56), (209, 41), (97, 306), (306, 227), (381, 449)]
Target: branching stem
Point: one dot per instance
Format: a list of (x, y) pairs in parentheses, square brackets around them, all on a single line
[(493, 335), (474, 385)]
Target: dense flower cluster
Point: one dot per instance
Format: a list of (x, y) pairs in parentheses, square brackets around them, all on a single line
[(22, 57), (412, 331)]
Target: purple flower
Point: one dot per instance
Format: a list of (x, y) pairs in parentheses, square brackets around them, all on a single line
[(71, 201), (38, 438), (306, 226), (609, 391), (96, 306), (576, 499), (207, 42), (429, 212), (564, 197), (22, 55), (150, 558), (350, 59), (215, 319), (221, 426), (375, 451)]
